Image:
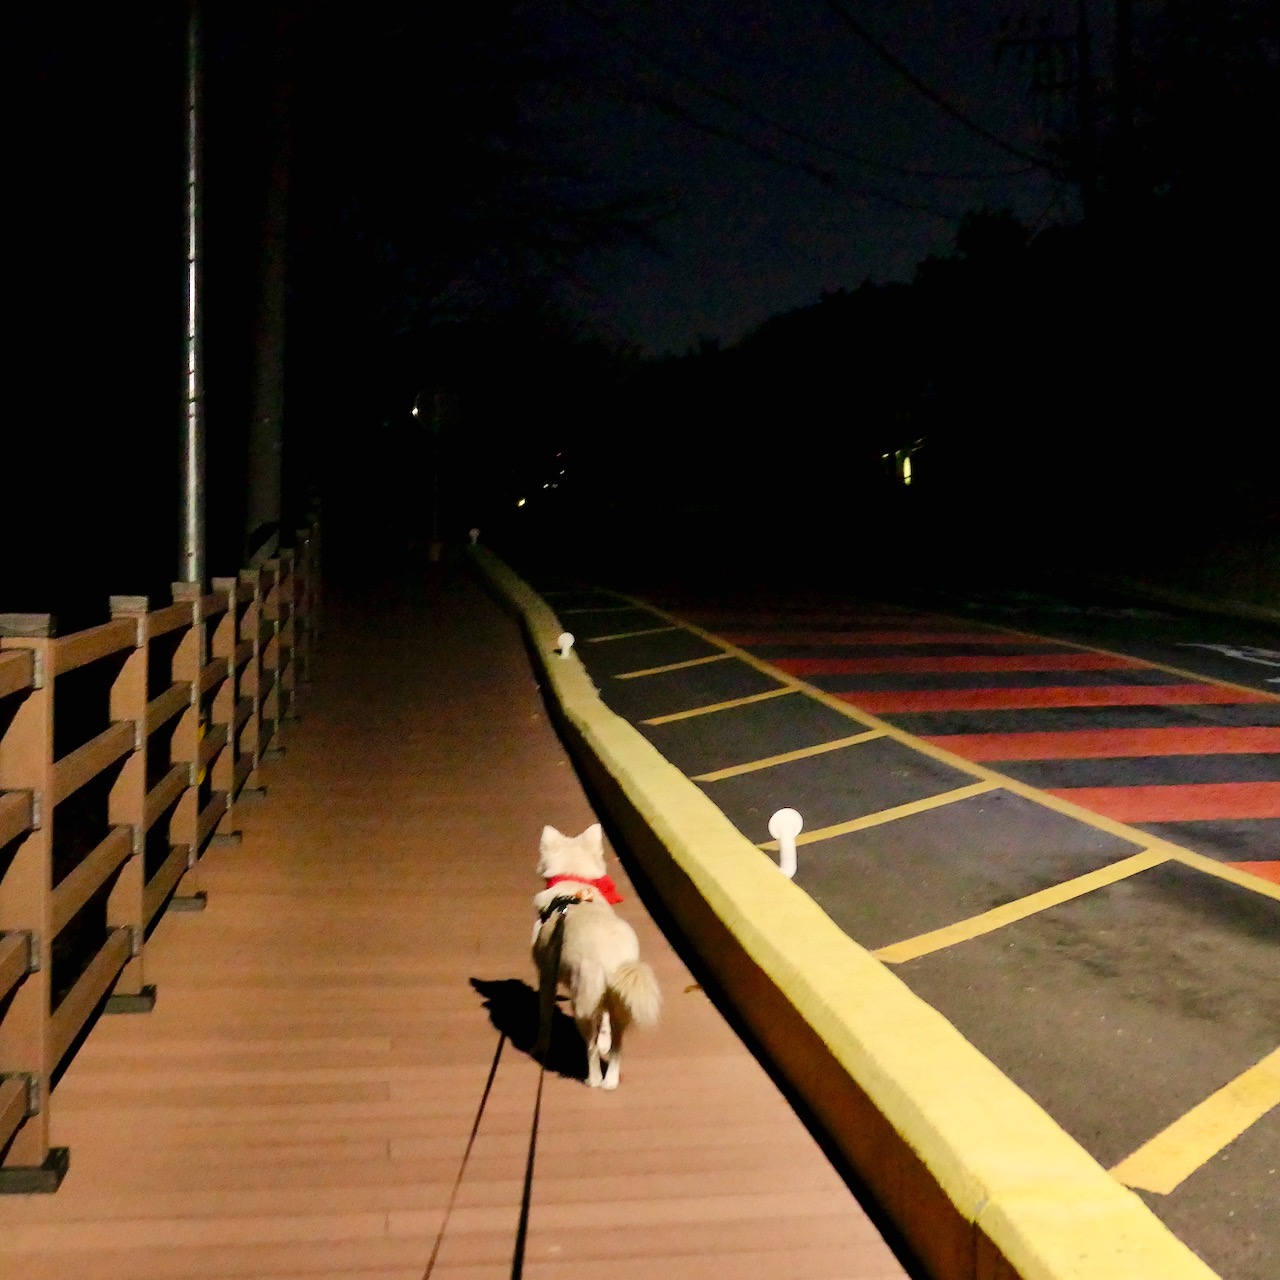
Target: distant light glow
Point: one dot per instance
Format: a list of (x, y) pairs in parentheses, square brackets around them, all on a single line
[(906, 469), (520, 503), (415, 411)]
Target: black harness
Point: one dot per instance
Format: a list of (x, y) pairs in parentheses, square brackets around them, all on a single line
[(557, 907)]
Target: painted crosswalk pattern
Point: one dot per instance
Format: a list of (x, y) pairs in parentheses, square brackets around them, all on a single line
[(1192, 760)]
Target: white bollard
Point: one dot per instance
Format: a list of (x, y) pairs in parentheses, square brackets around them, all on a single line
[(564, 644), (784, 826), (474, 535)]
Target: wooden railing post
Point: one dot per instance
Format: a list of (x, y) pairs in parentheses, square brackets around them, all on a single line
[(127, 807), (233, 641), (255, 679), (26, 916), (285, 614), (222, 606), (275, 700), (304, 605), (186, 748)]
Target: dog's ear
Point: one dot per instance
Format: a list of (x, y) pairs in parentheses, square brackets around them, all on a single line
[(551, 843), (594, 836)]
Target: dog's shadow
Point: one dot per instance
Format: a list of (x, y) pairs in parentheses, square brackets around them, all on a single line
[(513, 1010)]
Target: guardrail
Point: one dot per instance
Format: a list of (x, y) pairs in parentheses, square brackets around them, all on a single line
[(124, 750)]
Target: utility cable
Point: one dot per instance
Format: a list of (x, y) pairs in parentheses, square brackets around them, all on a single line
[(673, 69), (927, 91), (828, 179)]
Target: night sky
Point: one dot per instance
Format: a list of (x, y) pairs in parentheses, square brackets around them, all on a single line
[(519, 198), (703, 102)]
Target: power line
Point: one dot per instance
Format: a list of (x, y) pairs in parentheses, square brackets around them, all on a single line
[(932, 94), (679, 73), (829, 180)]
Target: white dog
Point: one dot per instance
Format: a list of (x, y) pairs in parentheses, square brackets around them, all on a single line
[(609, 985)]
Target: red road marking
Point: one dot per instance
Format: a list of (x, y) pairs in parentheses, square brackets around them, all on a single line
[(1092, 744), (1191, 802), (877, 637), (985, 662), (1267, 870), (1111, 695)]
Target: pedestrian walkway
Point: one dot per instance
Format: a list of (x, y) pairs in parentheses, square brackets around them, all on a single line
[(299, 1102)]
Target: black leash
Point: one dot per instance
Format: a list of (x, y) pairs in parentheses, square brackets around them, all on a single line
[(466, 1155), (546, 1009), (549, 980)]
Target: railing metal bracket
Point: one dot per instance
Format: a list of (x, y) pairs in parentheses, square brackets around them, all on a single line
[(132, 1002), (39, 1179)]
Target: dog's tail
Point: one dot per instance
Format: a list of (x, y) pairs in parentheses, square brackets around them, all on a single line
[(634, 985)]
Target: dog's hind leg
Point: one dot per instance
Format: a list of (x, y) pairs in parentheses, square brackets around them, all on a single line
[(589, 1029), (618, 1023)]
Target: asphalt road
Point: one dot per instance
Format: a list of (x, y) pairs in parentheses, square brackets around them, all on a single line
[(1059, 820)]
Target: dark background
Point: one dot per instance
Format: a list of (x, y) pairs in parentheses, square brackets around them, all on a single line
[(630, 243)]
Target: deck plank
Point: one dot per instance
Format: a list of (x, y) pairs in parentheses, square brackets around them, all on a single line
[(298, 1102)]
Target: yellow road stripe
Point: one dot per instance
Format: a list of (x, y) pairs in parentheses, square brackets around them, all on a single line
[(975, 926), (626, 635), (1175, 852), (1255, 884), (888, 815), (718, 775), (1195, 1138), (674, 666), (720, 706)]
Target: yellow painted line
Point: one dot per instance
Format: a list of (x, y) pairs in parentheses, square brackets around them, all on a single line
[(803, 753), (626, 635), (674, 666), (888, 815), (719, 706), (924, 944), (1121, 830), (1175, 1154), (1223, 872)]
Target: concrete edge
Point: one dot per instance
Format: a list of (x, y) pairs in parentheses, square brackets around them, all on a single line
[(981, 1182)]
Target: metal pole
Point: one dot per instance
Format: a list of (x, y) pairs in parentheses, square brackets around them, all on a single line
[(192, 566)]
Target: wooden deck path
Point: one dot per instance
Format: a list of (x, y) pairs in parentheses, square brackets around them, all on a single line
[(299, 1101)]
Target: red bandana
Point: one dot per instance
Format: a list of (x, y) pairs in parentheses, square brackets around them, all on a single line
[(603, 883)]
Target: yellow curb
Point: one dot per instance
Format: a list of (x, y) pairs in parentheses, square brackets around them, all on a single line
[(979, 1179)]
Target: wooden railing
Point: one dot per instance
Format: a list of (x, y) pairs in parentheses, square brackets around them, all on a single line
[(124, 751)]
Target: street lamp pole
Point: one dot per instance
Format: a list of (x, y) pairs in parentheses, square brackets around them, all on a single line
[(192, 566)]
